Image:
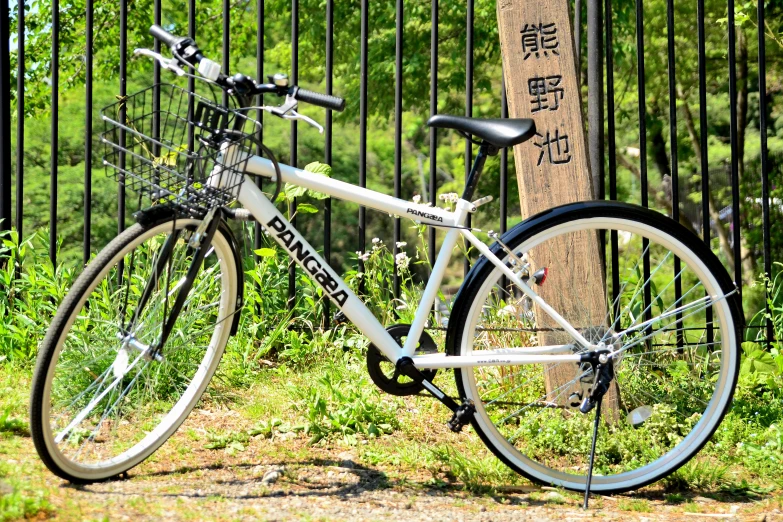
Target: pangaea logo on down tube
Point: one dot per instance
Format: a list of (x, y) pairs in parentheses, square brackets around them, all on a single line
[(308, 261)]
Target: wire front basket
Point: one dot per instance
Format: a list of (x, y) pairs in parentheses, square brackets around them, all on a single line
[(175, 147)]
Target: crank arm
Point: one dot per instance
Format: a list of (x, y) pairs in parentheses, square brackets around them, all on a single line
[(463, 413)]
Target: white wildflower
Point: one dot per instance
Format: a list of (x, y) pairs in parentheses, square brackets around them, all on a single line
[(401, 244), (376, 240), (450, 197), (363, 257), (417, 199), (402, 260)]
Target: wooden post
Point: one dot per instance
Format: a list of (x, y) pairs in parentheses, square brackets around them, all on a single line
[(552, 168)]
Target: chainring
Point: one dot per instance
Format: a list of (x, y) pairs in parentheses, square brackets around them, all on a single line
[(382, 371)]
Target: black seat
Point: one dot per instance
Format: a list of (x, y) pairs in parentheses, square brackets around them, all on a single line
[(496, 131)]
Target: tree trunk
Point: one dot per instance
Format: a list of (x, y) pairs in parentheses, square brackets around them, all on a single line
[(552, 168)]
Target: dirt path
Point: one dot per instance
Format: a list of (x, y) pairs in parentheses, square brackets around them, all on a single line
[(288, 480)]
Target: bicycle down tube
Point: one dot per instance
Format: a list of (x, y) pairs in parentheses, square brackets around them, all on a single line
[(264, 211)]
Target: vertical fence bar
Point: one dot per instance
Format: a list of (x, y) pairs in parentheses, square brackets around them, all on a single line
[(735, 201), (257, 231), (612, 153), (595, 95), (328, 146), (226, 43), (156, 14), (363, 130), (191, 81), (397, 138), (192, 35), (704, 163), (765, 222), (55, 131), (123, 92), (643, 144), (503, 172), (433, 186), (578, 38), (5, 118), (675, 178), (88, 12), (468, 100), (503, 165), (294, 81), (20, 72)]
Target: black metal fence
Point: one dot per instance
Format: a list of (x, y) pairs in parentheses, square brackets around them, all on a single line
[(601, 114)]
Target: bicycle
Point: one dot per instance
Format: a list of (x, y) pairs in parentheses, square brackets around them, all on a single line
[(582, 304)]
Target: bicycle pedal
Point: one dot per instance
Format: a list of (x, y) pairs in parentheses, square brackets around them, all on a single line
[(462, 416)]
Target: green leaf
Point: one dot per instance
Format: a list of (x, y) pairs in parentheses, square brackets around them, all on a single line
[(265, 252), (306, 208), (292, 191), (317, 167), (757, 361)]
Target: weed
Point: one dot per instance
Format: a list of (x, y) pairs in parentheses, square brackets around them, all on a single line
[(232, 442), (18, 505), (477, 475), (13, 425), (348, 407), (637, 505), (675, 498), (697, 474)]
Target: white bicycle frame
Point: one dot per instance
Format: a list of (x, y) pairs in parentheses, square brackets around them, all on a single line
[(264, 211)]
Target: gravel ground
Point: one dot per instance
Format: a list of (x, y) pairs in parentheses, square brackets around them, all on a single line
[(348, 492), (287, 479)]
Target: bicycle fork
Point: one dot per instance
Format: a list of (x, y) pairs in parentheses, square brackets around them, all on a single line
[(200, 242)]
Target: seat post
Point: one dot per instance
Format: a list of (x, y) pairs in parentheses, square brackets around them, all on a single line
[(485, 150)]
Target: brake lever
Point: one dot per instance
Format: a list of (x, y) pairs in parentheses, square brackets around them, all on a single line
[(287, 111), (166, 63), (293, 115)]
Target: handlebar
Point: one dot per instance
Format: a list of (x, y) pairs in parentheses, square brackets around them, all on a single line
[(321, 100), (163, 35), (186, 51)]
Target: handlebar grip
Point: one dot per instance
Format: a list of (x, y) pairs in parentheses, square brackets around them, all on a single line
[(163, 35), (321, 100)]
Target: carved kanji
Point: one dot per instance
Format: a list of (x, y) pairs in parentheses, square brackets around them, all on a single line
[(555, 146), (538, 39), (546, 92)]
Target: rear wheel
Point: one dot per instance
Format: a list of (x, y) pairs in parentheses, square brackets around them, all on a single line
[(665, 304), (101, 402)]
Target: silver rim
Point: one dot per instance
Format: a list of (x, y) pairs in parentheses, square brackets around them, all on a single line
[(510, 429), (90, 428)]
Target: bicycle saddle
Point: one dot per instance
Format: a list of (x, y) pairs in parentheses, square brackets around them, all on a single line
[(499, 132)]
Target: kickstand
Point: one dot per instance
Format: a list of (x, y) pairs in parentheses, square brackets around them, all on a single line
[(592, 450)]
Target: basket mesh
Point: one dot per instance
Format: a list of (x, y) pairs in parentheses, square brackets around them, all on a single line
[(171, 146)]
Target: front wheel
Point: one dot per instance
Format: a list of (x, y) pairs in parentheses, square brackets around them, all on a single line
[(643, 286), (103, 401)]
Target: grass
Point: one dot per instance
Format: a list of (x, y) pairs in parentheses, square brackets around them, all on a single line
[(229, 441), (637, 505)]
